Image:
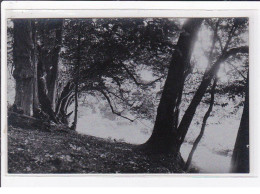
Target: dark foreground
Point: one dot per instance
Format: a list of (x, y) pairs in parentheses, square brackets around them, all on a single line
[(34, 151)]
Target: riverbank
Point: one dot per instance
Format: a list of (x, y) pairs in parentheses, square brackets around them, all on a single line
[(35, 151)]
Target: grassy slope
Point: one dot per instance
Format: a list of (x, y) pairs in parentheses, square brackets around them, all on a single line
[(34, 151)]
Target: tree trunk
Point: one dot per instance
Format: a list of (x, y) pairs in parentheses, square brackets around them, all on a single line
[(162, 138), (36, 103), (24, 66), (74, 125), (204, 122), (54, 59), (63, 100), (240, 157), (208, 76), (190, 112), (76, 78), (43, 98), (50, 32)]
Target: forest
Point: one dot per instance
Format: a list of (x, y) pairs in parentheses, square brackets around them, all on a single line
[(176, 74)]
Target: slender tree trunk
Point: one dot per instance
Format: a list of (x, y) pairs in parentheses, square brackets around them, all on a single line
[(190, 112), (162, 138), (208, 76), (240, 157), (24, 66), (76, 78), (74, 125), (36, 103), (204, 122)]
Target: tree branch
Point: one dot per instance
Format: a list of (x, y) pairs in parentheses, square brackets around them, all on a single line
[(234, 51), (215, 32), (130, 74), (234, 67), (135, 80), (112, 108), (230, 35), (220, 43), (208, 76), (119, 97)]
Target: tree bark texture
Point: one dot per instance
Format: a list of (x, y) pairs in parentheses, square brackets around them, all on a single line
[(24, 66), (36, 103), (162, 138), (240, 157), (63, 102), (50, 33)]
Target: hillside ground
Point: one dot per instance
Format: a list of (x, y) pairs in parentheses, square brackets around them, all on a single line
[(35, 151)]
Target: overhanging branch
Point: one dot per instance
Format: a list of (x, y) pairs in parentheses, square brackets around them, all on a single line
[(234, 51), (135, 80), (112, 108)]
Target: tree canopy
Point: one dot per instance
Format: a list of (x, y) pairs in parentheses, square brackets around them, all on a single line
[(160, 69)]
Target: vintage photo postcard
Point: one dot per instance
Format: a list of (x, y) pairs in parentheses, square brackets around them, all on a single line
[(126, 92)]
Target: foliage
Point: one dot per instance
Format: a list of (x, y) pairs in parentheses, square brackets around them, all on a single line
[(113, 52)]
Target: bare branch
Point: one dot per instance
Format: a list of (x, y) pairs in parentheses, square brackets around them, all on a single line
[(112, 108), (220, 43), (234, 67), (120, 98), (216, 34), (230, 35), (130, 74)]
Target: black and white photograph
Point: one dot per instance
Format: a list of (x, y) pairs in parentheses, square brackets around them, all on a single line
[(128, 95)]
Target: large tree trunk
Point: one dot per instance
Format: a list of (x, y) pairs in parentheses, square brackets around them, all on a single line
[(24, 66), (240, 157), (53, 66), (47, 54), (36, 66), (162, 138), (50, 32)]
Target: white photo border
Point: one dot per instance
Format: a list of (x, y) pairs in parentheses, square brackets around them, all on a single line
[(55, 9)]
